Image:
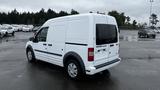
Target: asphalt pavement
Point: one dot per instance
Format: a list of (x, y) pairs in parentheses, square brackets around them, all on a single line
[(139, 69)]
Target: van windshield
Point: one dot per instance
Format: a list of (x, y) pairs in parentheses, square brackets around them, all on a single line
[(105, 34)]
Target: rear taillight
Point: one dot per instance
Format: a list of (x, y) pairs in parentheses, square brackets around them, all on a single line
[(90, 54)]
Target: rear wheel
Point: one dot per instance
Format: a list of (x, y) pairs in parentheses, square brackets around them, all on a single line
[(30, 56), (106, 73), (73, 69)]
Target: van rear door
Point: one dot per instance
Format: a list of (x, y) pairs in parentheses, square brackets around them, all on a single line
[(106, 42)]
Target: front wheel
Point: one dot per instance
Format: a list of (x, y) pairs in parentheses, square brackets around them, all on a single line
[(12, 33), (30, 56), (73, 69)]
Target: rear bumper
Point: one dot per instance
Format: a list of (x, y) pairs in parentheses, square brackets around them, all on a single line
[(102, 67)]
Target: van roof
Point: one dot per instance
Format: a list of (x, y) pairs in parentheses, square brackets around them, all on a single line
[(77, 17), (80, 15)]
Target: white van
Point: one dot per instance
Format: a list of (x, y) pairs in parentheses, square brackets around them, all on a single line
[(83, 44)]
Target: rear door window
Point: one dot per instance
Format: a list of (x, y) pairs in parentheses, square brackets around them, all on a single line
[(106, 33)]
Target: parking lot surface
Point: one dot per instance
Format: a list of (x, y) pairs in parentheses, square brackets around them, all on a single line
[(139, 69)]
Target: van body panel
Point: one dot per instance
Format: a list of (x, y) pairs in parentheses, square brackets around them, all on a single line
[(78, 33), (56, 42), (39, 49), (77, 38)]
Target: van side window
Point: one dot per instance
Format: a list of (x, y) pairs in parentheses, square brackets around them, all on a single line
[(42, 35)]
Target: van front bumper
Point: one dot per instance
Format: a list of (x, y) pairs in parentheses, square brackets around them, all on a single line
[(99, 68)]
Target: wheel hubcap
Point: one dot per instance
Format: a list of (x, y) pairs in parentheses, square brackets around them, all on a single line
[(29, 55), (72, 70)]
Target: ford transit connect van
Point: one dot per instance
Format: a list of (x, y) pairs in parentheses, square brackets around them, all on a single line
[(83, 44)]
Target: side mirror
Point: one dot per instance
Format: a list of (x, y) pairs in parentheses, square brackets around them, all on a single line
[(33, 39)]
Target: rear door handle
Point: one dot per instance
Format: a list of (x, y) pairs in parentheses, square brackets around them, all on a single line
[(49, 44), (111, 45)]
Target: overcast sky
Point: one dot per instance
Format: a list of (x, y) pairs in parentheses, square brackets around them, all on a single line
[(136, 9)]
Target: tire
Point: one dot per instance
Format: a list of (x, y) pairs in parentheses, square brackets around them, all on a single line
[(139, 36), (6, 34), (12, 33), (153, 36), (147, 36), (73, 69), (106, 73), (30, 56)]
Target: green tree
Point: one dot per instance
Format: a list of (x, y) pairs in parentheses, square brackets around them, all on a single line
[(128, 19), (51, 14), (134, 24), (120, 17), (62, 13), (14, 17), (73, 12), (154, 19)]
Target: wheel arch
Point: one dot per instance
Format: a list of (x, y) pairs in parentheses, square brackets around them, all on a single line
[(76, 57), (29, 47)]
